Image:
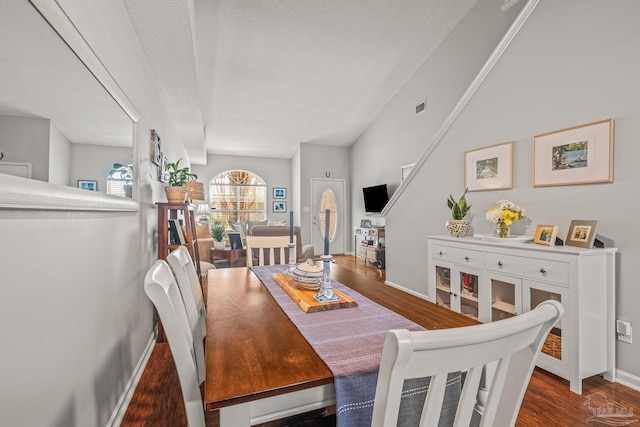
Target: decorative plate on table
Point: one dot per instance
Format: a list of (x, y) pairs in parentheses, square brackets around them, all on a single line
[(308, 275), (511, 239)]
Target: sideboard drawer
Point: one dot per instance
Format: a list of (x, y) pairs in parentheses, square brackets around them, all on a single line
[(533, 268), (459, 256)]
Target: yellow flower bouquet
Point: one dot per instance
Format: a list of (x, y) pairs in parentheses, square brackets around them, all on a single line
[(503, 215)]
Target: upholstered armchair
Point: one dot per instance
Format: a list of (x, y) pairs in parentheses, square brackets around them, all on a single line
[(204, 241), (302, 252)]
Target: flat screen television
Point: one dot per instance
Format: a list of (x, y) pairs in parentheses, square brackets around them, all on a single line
[(375, 198)]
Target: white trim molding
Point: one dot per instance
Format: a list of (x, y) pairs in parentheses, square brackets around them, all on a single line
[(125, 398), (630, 380)]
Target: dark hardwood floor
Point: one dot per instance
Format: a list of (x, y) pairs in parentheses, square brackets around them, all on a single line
[(547, 402)]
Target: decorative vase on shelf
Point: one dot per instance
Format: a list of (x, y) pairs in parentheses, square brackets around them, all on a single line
[(458, 227), (503, 231)]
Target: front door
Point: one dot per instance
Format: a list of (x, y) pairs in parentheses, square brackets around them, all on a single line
[(328, 194)]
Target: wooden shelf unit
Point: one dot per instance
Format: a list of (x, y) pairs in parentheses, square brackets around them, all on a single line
[(185, 213)]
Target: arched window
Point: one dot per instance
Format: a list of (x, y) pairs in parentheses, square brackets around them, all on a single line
[(236, 196)]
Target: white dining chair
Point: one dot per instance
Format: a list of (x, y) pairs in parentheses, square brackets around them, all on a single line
[(513, 343), (187, 278), (161, 288), (268, 244)]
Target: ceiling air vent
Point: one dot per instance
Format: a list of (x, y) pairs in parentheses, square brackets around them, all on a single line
[(421, 107)]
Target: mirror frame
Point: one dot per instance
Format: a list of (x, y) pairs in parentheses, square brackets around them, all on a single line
[(23, 193)]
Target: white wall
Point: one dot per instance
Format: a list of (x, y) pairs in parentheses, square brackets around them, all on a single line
[(322, 161), (275, 173), (74, 319), (26, 139), (398, 137), (59, 157), (95, 162), (572, 63)]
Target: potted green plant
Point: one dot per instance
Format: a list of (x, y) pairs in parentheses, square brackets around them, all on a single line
[(457, 225), (217, 232), (178, 177)]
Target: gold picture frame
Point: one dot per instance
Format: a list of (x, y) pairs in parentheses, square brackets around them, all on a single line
[(546, 234), (576, 155), (489, 168), (581, 233)]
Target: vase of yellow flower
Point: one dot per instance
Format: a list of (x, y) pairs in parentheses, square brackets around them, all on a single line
[(503, 215)]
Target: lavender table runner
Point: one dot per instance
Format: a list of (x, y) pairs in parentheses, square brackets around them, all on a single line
[(350, 343)]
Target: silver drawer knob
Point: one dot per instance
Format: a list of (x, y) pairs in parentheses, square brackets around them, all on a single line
[(499, 263), (466, 258), (543, 271), (440, 253)]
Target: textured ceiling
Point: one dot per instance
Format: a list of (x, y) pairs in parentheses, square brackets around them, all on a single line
[(258, 77)]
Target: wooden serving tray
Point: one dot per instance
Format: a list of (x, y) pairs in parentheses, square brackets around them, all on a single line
[(305, 298)]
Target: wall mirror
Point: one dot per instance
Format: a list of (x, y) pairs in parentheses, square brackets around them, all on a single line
[(60, 110)]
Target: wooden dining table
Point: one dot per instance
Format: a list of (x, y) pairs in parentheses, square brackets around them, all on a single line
[(260, 368)]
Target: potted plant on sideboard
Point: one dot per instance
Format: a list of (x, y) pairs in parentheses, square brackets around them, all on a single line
[(457, 225), (217, 232), (178, 177)]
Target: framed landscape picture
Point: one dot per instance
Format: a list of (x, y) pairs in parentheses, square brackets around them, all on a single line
[(581, 233), (489, 168), (88, 184), (279, 193), (577, 155), (545, 234), (155, 148), (279, 206)]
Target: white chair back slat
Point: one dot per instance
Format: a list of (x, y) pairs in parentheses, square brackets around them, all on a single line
[(257, 245), (162, 289), (510, 346), (187, 279)]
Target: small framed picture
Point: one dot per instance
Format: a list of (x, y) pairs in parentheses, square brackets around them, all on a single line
[(155, 148), (581, 233), (87, 184), (163, 174), (279, 206), (279, 193), (546, 234), (365, 223), (489, 168)]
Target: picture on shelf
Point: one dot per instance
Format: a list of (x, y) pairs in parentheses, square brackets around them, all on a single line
[(581, 233), (545, 234), (87, 184)]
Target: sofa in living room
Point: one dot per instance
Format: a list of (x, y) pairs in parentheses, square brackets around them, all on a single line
[(253, 228)]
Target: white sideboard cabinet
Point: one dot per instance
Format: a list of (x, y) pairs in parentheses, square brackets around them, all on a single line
[(492, 280)]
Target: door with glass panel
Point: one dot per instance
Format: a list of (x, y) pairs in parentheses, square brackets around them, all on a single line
[(458, 288), (505, 297), (328, 195), (554, 356)]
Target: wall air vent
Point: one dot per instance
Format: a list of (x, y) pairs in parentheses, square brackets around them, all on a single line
[(421, 107)]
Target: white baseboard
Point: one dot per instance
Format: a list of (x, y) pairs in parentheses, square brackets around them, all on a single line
[(630, 380), (409, 291), (125, 398)]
